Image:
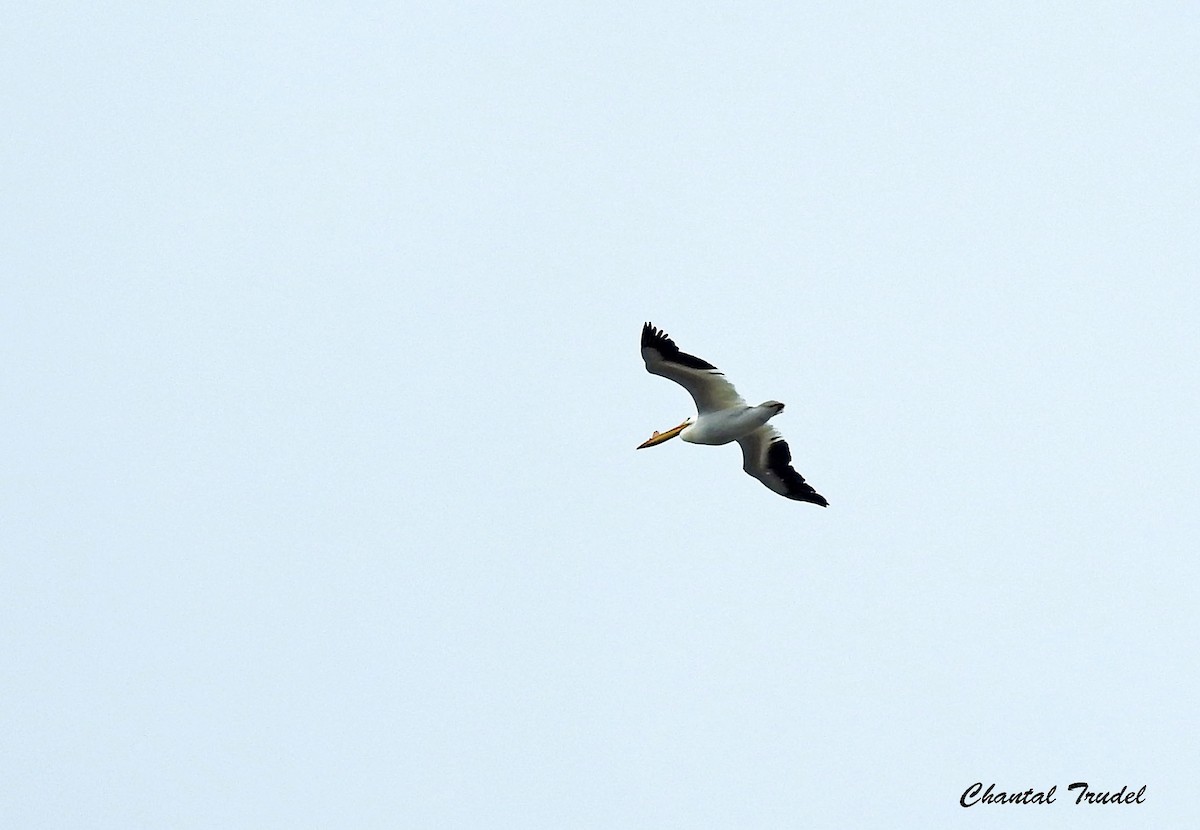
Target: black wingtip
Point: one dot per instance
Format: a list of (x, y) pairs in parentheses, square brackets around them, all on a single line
[(657, 339), (652, 336), (779, 461)]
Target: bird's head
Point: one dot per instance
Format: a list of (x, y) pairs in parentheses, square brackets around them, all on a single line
[(659, 437)]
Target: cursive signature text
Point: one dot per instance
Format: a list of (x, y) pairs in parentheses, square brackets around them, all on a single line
[(976, 794)]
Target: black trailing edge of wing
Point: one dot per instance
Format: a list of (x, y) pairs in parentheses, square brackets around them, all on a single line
[(779, 462), (657, 339)]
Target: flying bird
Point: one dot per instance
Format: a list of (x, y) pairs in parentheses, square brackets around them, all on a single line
[(722, 416)]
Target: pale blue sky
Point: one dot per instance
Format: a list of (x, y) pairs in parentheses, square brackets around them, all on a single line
[(320, 328)]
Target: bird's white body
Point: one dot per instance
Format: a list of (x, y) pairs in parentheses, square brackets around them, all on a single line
[(726, 425)]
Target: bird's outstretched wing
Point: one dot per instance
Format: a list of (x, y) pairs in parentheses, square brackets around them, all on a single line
[(703, 381), (767, 457)]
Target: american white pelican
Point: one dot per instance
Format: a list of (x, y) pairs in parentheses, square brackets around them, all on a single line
[(722, 416)]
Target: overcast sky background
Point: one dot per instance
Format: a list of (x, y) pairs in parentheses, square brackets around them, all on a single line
[(320, 344)]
